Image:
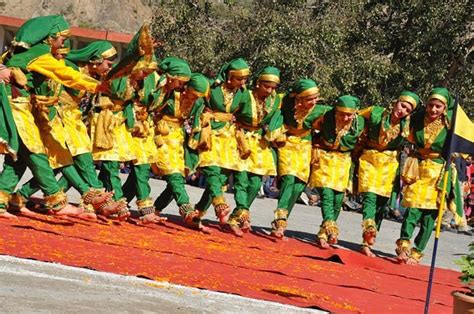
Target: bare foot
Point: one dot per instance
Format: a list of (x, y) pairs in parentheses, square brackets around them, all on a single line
[(367, 251), (7, 215), (68, 210), (236, 231), (88, 216), (223, 214), (152, 218), (204, 229), (369, 237), (332, 239), (25, 211), (402, 257), (101, 198), (323, 244), (278, 233), (246, 227), (411, 261)]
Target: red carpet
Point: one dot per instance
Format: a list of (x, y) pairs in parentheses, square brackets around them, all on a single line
[(291, 272)]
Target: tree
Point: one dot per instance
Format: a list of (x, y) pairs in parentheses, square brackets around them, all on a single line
[(372, 49)]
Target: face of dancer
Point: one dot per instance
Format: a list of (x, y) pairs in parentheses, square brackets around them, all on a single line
[(401, 110), (263, 89), (434, 109), (308, 101), (344, 117), (57, 42), (103, 68), (175, 84), (236, 82)]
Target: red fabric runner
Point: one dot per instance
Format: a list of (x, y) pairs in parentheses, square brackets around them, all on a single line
[(291, 272)]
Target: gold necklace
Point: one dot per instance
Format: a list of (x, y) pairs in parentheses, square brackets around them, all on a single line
[(228, 98), (431, 130), (386, 135)]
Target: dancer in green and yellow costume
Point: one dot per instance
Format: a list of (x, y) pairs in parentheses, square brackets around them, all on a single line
[(217, 139), (422, 175), (68, 144), (144, 81), (299, 111), (114, 119), (32, 54), (174, 164), (340, 129), (386, 129), (259, 123)]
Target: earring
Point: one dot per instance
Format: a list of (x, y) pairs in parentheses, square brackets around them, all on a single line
[(257, 86)]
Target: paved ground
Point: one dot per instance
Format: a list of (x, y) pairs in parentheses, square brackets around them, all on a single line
[(48, 285), (29, 286)]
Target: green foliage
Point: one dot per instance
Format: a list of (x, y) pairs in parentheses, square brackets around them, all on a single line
[(372, 49), (467, 268)]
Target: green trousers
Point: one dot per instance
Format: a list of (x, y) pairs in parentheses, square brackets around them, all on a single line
[(70, 178), (39, 166), (137, 183), (374, 207), (331, 203), (174, 190), (109, 175), (290, 189), (246, 187), (426, 218), (85, 166), (216, 178)]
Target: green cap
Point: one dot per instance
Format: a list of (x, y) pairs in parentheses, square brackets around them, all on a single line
[(236, 67), (176, 68), (410, 97), (443, 95), (198, 85), (304, 88), (94, 52), (269, 74), (347, 103), (37, 29)]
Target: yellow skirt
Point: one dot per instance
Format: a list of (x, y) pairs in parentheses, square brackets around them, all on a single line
[(423, 193), (377, 171), (26, 126), (77, 137), (55, 144), (295, 158), (145, 148), (331, 169), (261, 160), (122, 149), (170, 155), (223, 152)]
